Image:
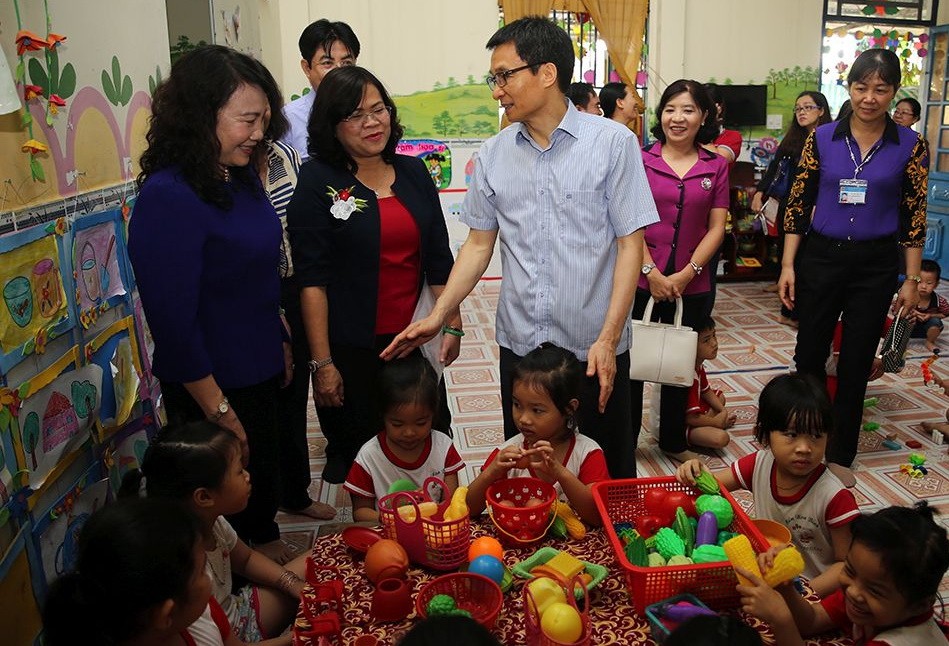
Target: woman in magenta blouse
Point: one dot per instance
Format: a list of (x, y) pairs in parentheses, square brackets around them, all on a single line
[(366, 233), (690, 187)]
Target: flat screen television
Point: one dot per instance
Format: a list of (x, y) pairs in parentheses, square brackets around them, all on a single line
[(745, 105)]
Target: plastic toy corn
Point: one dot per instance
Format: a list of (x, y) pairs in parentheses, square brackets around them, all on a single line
[(575, 526), (787, 564), (741, 554)]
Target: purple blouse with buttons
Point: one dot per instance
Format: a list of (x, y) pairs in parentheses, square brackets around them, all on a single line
[(684, 206), (895, 169)]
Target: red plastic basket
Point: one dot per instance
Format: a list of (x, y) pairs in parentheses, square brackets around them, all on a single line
[(429, 542), (475, 593), (518, 523), (620, 501), (537, 637)]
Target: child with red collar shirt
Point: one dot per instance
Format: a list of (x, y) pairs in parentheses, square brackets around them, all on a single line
[(706, 417), (887, 587)]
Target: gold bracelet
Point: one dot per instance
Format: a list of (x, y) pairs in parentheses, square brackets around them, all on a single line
[(287, 580), (913, 277)]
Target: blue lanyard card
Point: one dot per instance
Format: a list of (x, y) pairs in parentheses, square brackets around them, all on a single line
[(853, 191)]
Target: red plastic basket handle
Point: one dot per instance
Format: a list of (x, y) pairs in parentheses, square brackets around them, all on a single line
[(553, 516)]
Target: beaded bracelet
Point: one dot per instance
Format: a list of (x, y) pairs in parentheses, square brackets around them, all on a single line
[(453, 331), (287, 581)]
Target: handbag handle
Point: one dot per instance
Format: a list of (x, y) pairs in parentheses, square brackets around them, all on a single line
[(647, 315)]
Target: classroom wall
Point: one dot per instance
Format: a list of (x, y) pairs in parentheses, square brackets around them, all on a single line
[(96, 139)]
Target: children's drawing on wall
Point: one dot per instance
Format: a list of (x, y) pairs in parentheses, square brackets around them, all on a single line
[(99, 264), (59, 541), (435, 154), (115, 351), (33, 294), (127, 451), (148, 389), (56, 415), (450, 109), (9, 409)]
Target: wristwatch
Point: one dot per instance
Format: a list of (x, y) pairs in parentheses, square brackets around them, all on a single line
[(697, 268), (647, 268), (316, 364), (222, 410)]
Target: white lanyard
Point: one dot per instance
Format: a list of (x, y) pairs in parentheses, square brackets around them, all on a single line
[(866, 160)]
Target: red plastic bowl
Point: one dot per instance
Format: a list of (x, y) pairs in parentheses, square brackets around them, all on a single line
[(475, 593), (360, 538)]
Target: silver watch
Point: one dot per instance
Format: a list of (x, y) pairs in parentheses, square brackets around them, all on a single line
[(696, 268), (222, 410), (647, 268)]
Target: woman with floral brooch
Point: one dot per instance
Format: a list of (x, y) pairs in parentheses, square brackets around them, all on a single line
[(367, 234), (690, 186)]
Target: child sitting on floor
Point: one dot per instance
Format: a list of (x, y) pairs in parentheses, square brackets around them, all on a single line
[(406, 449), (547, 384), (139, 579), (887, 587), (706, 417), (789, 480), (931, 309), (199, 465)]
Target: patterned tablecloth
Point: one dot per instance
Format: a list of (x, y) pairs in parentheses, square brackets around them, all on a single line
[(613, 618)]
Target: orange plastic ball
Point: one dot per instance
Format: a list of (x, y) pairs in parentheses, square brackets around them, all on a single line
[(485, 545)]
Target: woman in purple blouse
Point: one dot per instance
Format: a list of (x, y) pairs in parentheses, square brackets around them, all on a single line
[(690, 187), (859, 195), (204, 241)]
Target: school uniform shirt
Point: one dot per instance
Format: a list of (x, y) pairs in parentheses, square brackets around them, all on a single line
[(918, 630), (210, 629), (218, 566), (584, 458), (376, 466), (821, 504), (694, 404), (684, 205), (935, 305), (896, 176)]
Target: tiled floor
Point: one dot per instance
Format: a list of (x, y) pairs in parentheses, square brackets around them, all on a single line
[(753, 348)]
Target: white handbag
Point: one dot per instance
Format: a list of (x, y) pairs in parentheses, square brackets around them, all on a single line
[(662, 353)]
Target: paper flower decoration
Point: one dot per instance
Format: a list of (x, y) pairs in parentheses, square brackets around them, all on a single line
[(62, 226), (27, 41), (33, 146), (54, 40), (56, 102), (344, 202), (30, 92)]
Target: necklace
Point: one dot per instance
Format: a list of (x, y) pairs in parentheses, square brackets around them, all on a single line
[(227, 174)]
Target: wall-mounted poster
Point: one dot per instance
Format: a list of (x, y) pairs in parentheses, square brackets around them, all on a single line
[(57, 531), (435, 154), (58, 408), (116, 352), (35, 307), (100, 264)]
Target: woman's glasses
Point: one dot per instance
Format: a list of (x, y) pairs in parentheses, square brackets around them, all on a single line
[(805, 108), (380, 114)]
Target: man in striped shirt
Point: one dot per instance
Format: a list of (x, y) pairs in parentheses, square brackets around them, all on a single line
[(568, 194)]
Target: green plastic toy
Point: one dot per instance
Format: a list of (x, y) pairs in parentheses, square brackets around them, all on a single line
[(708, 554), (402, 485), (684, 529), (441, 604), (558, 529), (870, 427), (707, 483), (656, 560), (669, 544), (718, 505), (636, 552), (679, 559), (724, 535)]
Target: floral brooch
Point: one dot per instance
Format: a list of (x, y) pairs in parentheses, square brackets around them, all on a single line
[(344, 203)]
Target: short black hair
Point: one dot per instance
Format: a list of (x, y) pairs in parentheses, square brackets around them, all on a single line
[(703, 99), (410, 380), (322, 34), (912, 546), (881, 62), (931, 266), (796, 400), (705, 324), (913, 105), (341, 92), (539, 40), (609, 95), (554, 369), (580, 93)]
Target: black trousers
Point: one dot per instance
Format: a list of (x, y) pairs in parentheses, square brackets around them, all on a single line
[(610, 429), (351, 425), (292, 403), (256, 407), (852, 281), (672, 398)]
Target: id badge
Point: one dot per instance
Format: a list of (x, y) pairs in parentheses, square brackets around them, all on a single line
[(853, 191)]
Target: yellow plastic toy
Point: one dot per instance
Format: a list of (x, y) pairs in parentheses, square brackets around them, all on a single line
[(575, 527), (458, 507), (426, 509), (741, 554), (787, 564)]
